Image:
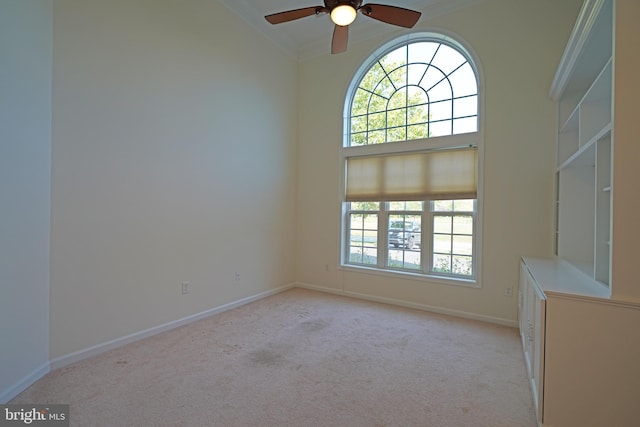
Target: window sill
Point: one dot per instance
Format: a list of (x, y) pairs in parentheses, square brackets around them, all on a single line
[(405, 275)]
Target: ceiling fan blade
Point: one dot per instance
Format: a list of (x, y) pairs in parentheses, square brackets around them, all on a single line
[(291, 15), (340, 39), (391, 14)]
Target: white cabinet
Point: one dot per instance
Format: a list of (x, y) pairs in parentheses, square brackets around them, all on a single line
[(581, 352), (532, 325)]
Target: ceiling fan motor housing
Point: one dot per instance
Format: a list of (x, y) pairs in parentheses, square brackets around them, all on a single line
[(331, 4)]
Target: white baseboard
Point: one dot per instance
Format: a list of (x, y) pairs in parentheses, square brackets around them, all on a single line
[(407, 304), (77, 356), (24, 383)]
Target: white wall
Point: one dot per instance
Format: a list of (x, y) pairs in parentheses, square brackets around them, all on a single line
[(173, 160), (519, 44), (25, 188), (626, 152)]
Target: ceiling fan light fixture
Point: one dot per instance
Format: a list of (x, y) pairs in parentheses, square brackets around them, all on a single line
[(343, 14)]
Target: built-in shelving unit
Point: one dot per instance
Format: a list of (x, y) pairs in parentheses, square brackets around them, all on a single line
[(579, 311), (583, 90)]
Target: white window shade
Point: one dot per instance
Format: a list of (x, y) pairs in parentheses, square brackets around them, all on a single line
[(439, 174)]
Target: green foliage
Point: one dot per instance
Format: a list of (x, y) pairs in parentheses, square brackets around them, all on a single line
[(386, 108), (462, 266)]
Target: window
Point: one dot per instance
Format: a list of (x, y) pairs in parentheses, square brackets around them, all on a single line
[(411, 161)]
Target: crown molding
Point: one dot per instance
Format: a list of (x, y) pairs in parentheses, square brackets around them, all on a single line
[(584, 24)]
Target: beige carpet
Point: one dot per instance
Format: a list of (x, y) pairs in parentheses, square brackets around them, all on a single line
[(303, 358)]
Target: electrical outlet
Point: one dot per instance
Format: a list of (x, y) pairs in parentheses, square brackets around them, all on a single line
[(185, 288), (508, 292), (237, 276)]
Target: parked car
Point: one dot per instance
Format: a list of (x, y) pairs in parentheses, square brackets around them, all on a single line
[(404, 233)]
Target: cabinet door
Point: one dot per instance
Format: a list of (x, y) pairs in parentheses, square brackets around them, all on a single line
[(537, 342), (522, 305), (532, 322)]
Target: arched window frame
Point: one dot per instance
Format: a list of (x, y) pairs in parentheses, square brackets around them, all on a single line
[(420, 146)]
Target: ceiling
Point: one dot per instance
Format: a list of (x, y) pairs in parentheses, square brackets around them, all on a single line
[(311, 36)]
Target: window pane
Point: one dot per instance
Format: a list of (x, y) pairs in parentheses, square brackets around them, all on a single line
[(377, 137), (442, 205), (442, 243), (415, 73), (463, 245), (404, 231), (355, 238), (397, 134), (440, 128), (359, 124), (463, 107), (404, 259), (462, 265), (422, 51), (405, 206), (441, 263), (360, 101), (417, 114), (464, 81), (431, 78), (373, 76), (377, 121), (448, 59), (442, 224), (358, 139), (384, 88), (399, 77), (377, 104), (467, 125), (363, 236), (398, 100), (404, 239), (441, 91), (418, 131), (357, 221), (365, 206), (394, 58), (396, 118), (440, 110), (366, 256), (463, 224), (463, 205)]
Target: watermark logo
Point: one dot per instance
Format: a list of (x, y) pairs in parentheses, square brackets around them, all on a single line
[(34, 415)]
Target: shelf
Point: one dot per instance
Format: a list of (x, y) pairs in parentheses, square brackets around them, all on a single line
[(578, 156), (595, 107), (554, 275), (599, 92), (590, 118)]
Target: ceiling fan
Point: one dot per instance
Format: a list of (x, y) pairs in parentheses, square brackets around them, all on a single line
[(344, 13)]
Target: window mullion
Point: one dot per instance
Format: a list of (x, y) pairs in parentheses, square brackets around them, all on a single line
[(425, 229), (383, 235)]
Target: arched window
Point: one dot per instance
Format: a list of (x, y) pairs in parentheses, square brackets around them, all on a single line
[(411, 163), (421, 89)]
